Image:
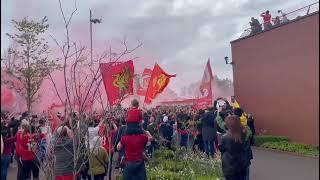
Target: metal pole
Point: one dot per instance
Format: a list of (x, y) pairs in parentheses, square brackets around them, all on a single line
[(91, 36)]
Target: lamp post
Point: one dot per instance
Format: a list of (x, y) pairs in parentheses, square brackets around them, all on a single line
[(227, 60), (94, 21)]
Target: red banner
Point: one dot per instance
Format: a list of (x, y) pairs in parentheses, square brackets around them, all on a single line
[(205, 99), (144, 81), (157, 83), (117, 80)]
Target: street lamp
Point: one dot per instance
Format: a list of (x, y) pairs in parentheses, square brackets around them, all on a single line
[(227, 60), (94, 21)]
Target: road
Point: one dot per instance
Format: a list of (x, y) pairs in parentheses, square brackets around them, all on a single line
[(268, 165)]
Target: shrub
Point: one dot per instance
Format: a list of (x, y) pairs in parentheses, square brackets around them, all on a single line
[(182, 165), (163, 153), (159, 173), (293, 147), (259, 140)]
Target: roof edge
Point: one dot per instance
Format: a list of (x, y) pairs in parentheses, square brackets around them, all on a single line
[(283, 24)]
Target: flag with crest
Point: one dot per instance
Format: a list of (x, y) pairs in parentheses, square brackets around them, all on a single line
[(118, 80), (158, 82)]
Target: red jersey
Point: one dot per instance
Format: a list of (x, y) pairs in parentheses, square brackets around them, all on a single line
[(134, 115), (19, 143), (105, 140), (266, 18), (26, 144), (134, 146), (8, 145)]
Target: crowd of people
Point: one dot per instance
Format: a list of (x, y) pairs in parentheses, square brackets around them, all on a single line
[(133, 134), (268, 21)]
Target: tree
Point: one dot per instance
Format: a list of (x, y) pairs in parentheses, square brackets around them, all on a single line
[(32, 64)]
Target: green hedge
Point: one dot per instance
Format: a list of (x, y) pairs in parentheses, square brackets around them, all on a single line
[(293, 147), (283, 144), (182, 165), (259, 140)]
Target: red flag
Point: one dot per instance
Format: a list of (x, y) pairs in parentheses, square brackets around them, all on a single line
[(205, 99), (146, 75), (157, 83), (117, 80)]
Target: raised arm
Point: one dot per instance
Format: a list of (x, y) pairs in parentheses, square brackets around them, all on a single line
[(215, 105), (119, 146)]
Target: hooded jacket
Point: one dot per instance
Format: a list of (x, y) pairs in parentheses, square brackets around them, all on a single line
[(63, 152), (98, 162), (209, 129), (233, 156)]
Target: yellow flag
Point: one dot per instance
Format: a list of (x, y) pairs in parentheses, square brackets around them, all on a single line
[(243, 118), (236, 104)]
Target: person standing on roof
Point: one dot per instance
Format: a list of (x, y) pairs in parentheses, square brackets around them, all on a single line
[(283, 18), (266, 20), (255, 26)]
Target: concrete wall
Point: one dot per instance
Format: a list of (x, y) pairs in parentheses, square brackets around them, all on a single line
[(276, 78)]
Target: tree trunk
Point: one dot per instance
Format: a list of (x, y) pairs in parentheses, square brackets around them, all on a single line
[(29, 107)]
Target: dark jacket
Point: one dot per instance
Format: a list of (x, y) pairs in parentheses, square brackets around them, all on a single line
[(119, 133), (251, 125), (209, 129), (63, 152), (233, 155), (166, 130)]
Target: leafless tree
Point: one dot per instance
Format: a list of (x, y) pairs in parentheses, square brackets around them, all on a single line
[(82, 89)]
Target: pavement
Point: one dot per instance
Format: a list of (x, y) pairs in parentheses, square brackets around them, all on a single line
[(268, 165)]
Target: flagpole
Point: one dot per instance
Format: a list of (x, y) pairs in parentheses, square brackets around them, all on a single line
[(91, 36)]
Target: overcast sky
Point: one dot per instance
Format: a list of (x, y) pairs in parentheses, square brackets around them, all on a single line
[(178, 34)]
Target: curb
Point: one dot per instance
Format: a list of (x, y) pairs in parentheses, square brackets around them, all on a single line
[(286, 152)]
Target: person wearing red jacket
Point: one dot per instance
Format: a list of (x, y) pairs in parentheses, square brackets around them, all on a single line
[(134, 114), (27, 148), (24, 126)]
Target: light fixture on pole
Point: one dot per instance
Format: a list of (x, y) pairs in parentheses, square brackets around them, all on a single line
[(227, 60), (94, 21)]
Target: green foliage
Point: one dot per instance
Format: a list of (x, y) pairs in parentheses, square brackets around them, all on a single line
[(283, 144), (182, 165), (293, 147), (259, 140), (207, 178), (163, 153), (168, 171)]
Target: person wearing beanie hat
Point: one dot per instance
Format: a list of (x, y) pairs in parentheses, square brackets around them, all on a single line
[(166, 131)]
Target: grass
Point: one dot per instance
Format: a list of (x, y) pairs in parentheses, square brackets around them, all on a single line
[(282, 143), (183, 165)]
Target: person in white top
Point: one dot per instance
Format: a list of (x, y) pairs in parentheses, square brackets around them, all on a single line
[(283, 18)]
